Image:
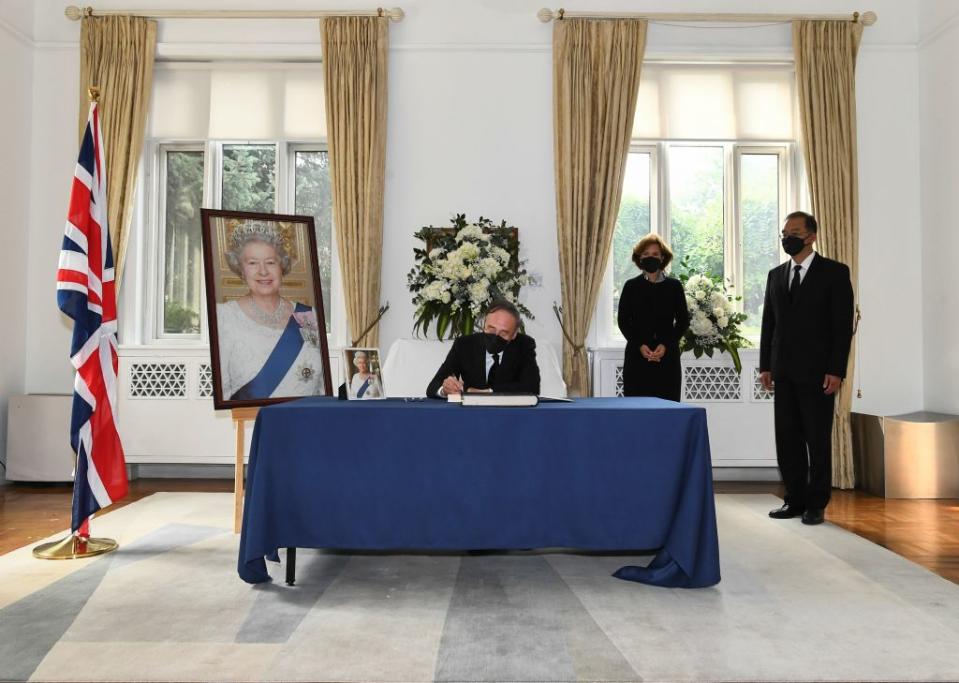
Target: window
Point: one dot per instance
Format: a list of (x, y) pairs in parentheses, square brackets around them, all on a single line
[(312, 196), (239, 137), (248, 178), (711, 170), (182, 197), (761, 213), (634, 219)]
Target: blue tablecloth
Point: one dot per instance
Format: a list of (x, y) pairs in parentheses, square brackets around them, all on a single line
[(595, 474)]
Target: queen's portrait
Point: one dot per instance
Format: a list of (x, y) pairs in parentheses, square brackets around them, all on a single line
[(365, 383), (268, 344)]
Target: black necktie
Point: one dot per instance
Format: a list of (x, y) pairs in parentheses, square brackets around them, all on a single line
[(491, 376), (794, 285)]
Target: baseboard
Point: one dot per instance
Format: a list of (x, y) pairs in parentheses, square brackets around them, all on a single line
[(185, 471), (181, 471), (745, 474)]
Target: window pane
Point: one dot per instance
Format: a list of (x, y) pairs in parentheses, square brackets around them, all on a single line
[(696, 207), (759, 209), (632, 223), (312, 198), (182, 277), (249, 178)]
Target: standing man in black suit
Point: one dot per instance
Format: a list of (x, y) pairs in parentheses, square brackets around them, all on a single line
[(804, 349), (499, 358)]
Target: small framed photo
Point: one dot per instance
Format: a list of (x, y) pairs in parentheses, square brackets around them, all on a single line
[(265, 308), (364, 374)]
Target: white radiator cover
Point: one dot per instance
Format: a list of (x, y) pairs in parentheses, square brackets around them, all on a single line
[(166, 412)]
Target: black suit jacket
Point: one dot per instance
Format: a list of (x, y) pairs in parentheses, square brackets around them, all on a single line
[(517, 373), (805, 339)]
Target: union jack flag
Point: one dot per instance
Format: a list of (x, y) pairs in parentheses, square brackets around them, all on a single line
[(86, 292)]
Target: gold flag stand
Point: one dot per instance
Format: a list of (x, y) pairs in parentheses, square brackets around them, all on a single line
[(76, 546)]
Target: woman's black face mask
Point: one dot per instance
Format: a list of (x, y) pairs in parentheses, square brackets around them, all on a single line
[(650, 264)]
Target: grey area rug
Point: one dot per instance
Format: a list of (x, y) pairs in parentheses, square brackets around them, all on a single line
[(795, 603)]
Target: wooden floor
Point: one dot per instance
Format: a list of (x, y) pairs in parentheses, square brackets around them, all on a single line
[(923, 531)]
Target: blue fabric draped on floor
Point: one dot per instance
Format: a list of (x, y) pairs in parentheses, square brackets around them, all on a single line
[(594, 474)]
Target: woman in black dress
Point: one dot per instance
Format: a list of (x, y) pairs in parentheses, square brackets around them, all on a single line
[(653, 317)]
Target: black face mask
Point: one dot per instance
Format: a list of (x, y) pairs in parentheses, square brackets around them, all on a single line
[(650, 264), (494, 343), (792, 245)]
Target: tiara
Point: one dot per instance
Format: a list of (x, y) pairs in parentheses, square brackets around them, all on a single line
[(242, 233)]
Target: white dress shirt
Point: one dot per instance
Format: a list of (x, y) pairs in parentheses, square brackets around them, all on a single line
[(489, 364), (803, 267)]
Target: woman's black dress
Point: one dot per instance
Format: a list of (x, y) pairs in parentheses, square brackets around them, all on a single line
[(653, 313)]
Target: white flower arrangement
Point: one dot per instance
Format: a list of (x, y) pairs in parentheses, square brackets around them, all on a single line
[(462, 272), (713, 319)]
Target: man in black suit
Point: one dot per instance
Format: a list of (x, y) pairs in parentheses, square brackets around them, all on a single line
[(497, 359), (804, 349)]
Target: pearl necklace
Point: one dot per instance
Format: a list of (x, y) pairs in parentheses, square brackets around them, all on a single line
[(269, 319)]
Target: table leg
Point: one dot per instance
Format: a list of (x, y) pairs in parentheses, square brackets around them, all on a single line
[(290, 566), (238, 476)]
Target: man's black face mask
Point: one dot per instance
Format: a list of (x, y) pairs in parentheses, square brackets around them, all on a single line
[(494, 342), (792, 245)]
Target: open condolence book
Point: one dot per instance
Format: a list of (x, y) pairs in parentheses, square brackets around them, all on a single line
[(522, 400)]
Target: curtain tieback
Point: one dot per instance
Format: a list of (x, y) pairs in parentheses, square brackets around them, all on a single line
[(380, 313), (558, 311)]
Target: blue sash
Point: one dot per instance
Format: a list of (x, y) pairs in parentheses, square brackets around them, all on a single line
[(363, 388), (277, 365)]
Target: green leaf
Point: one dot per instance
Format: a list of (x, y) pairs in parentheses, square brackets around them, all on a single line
[(698, 351), (442, 324), (734, 352), (709, 351)]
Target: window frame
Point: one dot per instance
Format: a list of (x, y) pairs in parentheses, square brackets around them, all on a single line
[(150, 322), (604, 332)]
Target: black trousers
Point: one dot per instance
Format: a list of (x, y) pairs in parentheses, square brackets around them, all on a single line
[(804, 417)]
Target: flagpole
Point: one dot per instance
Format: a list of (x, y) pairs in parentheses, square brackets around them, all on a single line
[(77, 544)]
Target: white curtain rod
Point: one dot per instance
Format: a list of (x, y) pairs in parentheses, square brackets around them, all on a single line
[(547, 15), (76, 13)]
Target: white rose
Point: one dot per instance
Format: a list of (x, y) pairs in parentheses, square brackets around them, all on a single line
[(501, 254), (717, 300), (470, 231), (700, 325), (445, 297), (467, 251), (436, 253), (719, 311), (490, 266), (722, 322), (479, 291), (700, 295)]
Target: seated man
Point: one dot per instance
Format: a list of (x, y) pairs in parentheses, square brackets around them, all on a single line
[(497, 359)]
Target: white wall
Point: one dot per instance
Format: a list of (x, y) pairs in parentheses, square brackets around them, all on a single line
[(16, 56), (939, 92), (470, 129)]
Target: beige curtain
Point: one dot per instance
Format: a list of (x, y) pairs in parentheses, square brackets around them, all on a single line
[(116, 55), (596, 69), (826, 78), (354, 66)]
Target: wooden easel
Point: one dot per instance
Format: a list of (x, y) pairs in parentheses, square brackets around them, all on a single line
[(240, 417)]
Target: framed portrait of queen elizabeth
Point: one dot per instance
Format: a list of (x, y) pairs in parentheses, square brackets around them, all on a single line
[(265, 308)]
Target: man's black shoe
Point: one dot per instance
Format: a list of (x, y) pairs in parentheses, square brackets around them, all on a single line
[(786, 512), (813, 516)]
